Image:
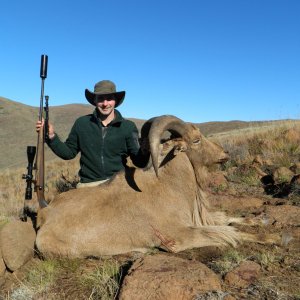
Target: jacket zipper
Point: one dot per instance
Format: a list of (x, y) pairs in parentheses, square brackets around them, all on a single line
[(104, 131)]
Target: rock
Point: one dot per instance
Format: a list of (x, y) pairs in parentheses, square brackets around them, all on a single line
[(229, 297), (283, 174), (283, 215), (257, 161), (295, 168), (258, 171), (297, 164), (232, 203), (17, 243), (244, 275), (164, 276), (257, 164)]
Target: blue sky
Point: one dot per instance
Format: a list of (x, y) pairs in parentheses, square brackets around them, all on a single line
[(213, 60)]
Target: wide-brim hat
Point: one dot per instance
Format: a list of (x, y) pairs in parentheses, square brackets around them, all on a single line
[(105, 88)]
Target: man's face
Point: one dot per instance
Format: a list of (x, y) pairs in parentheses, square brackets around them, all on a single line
[(105, 105)]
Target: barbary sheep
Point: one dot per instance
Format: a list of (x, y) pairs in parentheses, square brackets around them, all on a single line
[(162, 205)]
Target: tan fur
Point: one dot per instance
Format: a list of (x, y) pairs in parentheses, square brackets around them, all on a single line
[(17, 243), (137, 210)]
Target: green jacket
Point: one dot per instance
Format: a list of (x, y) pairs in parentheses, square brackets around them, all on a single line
[(103, 149)]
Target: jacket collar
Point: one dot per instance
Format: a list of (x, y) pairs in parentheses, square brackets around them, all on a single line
[(118, 117)]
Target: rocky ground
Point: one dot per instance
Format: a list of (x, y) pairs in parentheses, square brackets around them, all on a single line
[(250, 271)]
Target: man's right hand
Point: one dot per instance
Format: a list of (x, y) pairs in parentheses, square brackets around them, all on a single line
[(40, 124)]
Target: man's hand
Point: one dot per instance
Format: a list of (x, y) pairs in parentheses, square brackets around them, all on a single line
[(40, 124)]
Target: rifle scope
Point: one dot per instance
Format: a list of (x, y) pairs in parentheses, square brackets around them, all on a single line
[(29, 177)]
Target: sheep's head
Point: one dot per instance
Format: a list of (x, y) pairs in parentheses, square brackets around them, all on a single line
[(200, 151)]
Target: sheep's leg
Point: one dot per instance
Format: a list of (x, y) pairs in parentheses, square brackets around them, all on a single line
[(50, 245), (191, 237)]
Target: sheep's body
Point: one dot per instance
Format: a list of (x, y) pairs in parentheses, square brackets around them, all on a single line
[(139, 210)]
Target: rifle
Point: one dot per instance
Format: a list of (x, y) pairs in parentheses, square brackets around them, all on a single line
[(39, 150)]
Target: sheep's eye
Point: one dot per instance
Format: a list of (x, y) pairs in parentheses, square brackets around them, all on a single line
[(197, 141)]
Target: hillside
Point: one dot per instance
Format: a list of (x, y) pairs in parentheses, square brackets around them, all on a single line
[(17, 128)]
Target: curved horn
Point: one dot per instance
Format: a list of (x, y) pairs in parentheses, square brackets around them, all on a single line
[(158, 127), (146, 128)]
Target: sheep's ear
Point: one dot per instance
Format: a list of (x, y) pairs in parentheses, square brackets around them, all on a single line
[(180, 147)]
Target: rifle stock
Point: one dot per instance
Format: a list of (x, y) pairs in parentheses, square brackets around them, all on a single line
[(40, 169)]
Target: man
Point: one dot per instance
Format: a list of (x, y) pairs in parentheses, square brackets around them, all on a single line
[(104, 138)]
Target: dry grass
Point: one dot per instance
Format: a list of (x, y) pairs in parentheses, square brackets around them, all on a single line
[(270, 147), (103, 281), (68, 279), (12, 186), (229, 260), (277, 144)]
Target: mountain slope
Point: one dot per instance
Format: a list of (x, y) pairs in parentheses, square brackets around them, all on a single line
[(17, 128)]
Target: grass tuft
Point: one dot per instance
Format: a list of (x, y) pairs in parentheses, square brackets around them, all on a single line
[(230, 259), (103, 281)]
